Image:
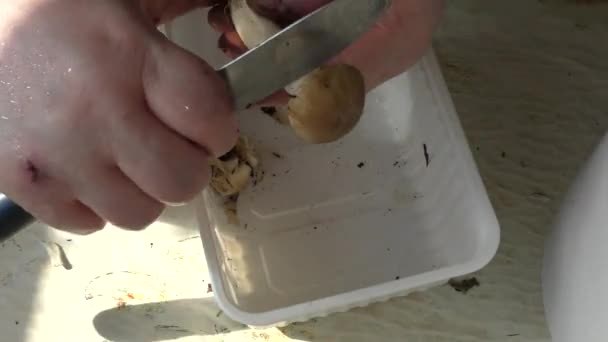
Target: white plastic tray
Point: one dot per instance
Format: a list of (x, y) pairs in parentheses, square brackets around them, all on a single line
[(337, 226)]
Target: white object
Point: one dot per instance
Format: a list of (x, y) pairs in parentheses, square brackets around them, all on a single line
[(361, 220), (575, 268)]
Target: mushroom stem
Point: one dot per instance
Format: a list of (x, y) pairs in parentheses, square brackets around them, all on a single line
[(327, 103)]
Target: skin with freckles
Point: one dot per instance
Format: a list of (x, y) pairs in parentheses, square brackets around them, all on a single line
[(102, 119), (396, 42)]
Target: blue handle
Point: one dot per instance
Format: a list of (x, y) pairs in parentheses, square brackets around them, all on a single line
[(12, 218)]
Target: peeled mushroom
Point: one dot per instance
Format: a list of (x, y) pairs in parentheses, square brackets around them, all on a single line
[(326, 104), (230, 177), (233, 172)]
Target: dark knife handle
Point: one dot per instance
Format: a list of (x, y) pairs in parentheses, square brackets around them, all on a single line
[(12, 218)]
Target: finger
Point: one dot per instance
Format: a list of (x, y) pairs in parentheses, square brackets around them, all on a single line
[(409, 24), (162, 11), (219, 18), (231, 44), (285, 12), (75, 217), (108, 192), (276, 10), (66, 214), (31, 185), (283, 7), (163, 164), (187, 95)]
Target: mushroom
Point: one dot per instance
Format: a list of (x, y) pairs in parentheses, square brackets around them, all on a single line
[(234, 171), (326, 104)]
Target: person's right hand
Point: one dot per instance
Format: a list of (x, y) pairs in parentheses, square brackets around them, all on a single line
[(395, 43), (101, 117)]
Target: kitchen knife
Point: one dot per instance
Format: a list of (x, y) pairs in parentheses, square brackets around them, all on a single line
[(283, 58), (299, 49)]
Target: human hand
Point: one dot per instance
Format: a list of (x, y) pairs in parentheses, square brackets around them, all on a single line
[(396, 42), (101, 117)]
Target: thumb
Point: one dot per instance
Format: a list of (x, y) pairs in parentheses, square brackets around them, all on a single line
[(188, 96), (162, 11), (284, 12), (301, 7)]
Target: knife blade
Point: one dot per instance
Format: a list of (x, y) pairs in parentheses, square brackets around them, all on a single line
[(299, 49)]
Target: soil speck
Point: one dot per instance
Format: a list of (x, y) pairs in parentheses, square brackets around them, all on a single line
[(269, 110), (464, 285)]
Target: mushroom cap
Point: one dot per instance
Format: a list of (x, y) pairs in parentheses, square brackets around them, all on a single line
[(327, 103)]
